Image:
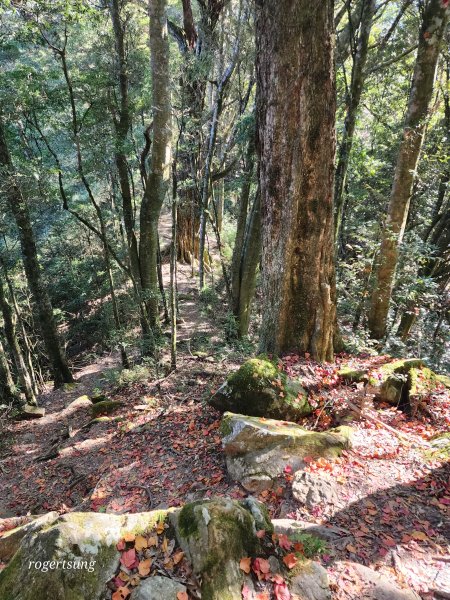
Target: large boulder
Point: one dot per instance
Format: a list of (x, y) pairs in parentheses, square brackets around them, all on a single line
[(259, 450), (216, 534), (70, 558), (260, 389)]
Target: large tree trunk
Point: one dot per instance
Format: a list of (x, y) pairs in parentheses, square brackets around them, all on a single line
[(433, 26), (353, 100), (296, 120), (158, 179), (41, 300)]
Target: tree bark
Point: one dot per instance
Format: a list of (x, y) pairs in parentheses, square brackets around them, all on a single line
[(122, 124), (434, 23), (251, 254), (41, 300), (8, 391), (296, 126), (239, 240), (14, 347), (159, 176), (353, 101)]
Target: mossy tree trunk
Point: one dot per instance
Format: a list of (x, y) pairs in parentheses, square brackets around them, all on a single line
[(41, 300), (296, 121), (434, 21), (8, 391)]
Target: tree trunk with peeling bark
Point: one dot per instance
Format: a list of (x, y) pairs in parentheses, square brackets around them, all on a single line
[(296, 127), (434, 23)]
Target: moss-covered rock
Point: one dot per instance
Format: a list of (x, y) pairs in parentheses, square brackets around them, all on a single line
[(351, 375), (407, 383), (105, 407), (216, 534), (71, 558), (440, 447), (259, 450), (258, 388)]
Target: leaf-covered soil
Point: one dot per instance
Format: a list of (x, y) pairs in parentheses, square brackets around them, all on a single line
[(162, 448)]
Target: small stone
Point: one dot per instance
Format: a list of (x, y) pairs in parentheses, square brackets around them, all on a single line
[(311, 582), (32, 412), (157, 588), (314, 489)]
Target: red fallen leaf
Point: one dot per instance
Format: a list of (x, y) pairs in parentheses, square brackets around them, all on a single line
[(288, 469), (284, 541), (121, 545), (290, 560), (388, 541), (281, 591), (246, 593), (261, 533), (182, 596), (128, 558), (261, 567), (277, 578)]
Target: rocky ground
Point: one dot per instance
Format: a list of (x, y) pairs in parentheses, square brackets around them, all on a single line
[(384, 503)]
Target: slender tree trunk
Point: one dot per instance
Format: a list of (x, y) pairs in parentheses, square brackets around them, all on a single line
[(8, 391), (251, 253), (122, 124), (434, 23), (41, 300), (353, 101), (173, 273), (249, 162), (158, 178), (14, 347), (296, 122)]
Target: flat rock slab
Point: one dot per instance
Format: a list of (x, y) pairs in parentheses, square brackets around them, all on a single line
[(373, 585), (334, 536), (157, 588), (258, 450), (314, 489), (32, 412)]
